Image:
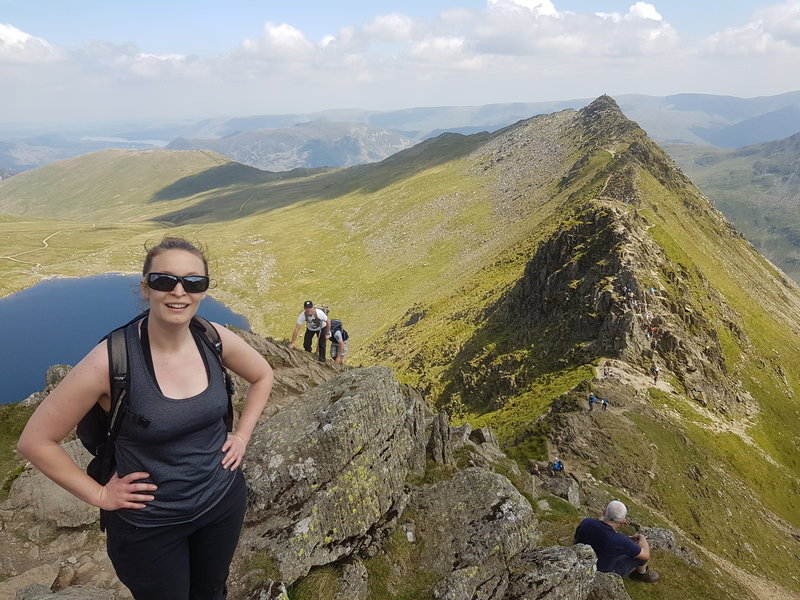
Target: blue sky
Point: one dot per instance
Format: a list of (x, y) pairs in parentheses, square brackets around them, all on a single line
[(211, 27), (81, 60)]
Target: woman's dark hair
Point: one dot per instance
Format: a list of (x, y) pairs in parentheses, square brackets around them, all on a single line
[(172, 243)]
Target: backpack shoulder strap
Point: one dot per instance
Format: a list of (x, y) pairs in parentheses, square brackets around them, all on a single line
[(117, 374), (210, 337), (209, 334), (120, 382)]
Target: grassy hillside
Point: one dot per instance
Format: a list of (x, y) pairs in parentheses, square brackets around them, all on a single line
[(497, 272), (122, 185), (757, 188)]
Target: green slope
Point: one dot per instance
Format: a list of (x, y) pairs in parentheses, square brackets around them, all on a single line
[(758, 189), (122, 185)]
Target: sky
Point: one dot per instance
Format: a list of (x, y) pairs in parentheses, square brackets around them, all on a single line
[(100, 60)]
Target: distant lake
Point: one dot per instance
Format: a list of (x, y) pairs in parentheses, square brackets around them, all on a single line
[(59, 320)]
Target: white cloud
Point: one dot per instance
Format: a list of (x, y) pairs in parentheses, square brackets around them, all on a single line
[(643, 10), (775, 29), (513, 50), (437, 49), (280, 42), (16, 46), (639, 33), (536, 7), (392, 28), (782, 22)]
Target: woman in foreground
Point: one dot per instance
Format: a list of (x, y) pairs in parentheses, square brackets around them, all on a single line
[(175, 505)]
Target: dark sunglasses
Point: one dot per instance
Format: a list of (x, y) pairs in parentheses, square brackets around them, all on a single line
[(164, 282)]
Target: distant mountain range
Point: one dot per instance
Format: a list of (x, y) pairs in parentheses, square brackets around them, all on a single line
[(306, 145), (337, 138)]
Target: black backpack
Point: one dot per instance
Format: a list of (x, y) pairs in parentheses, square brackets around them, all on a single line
[(97, 430), (336, 324)]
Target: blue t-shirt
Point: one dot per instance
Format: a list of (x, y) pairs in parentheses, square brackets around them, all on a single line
[(613, 549)]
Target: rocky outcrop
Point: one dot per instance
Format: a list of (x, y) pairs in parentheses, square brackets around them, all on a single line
[(52, 378), (354, 582), (328, 473), (295, 372), (608, 586), (78, 592), (553, 573), (469, 528), (44, 576), (565, 487), (439, 446), (34, 493), (664, 539)]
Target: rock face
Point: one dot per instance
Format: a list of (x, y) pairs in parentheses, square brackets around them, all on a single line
[(327, 473), (664, 539), (608, 586), (295, 372), (78, 592), (470, 528), (35, 493), (52, 378), (39, 576), (553, 573)]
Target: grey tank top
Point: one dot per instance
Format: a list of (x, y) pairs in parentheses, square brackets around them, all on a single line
[(178, 442)]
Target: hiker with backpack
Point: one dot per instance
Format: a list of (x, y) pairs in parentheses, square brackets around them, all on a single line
[(339, 338), (173, 501), (317, 324)]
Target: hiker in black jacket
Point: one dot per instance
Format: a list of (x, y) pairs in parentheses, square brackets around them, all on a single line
[(175, 503)]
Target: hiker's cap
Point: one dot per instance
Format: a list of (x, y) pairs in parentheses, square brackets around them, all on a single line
[(308, 304)]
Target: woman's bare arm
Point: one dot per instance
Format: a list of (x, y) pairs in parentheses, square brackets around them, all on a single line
[(56, 416), (246, 362)]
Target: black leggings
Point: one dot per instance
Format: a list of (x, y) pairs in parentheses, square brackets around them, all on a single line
[(189, 561), (309, 339)]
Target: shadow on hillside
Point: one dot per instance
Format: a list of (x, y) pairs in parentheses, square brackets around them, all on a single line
[(220, 177), (246, 191)]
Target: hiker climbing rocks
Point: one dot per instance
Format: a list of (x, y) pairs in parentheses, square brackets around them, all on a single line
[(592, 401), (176, 498), (604, 404), (317, 324), (535, 470), (655, 370), (555, 468), (339, 341), (616, 552)]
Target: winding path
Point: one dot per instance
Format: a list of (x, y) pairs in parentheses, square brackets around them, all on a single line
[(14, 258)]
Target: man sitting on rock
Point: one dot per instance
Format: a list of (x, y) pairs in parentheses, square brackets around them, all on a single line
[(615, 551)]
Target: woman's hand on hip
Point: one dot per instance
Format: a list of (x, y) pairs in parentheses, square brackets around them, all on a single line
[(126, 492), (234, 448)]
